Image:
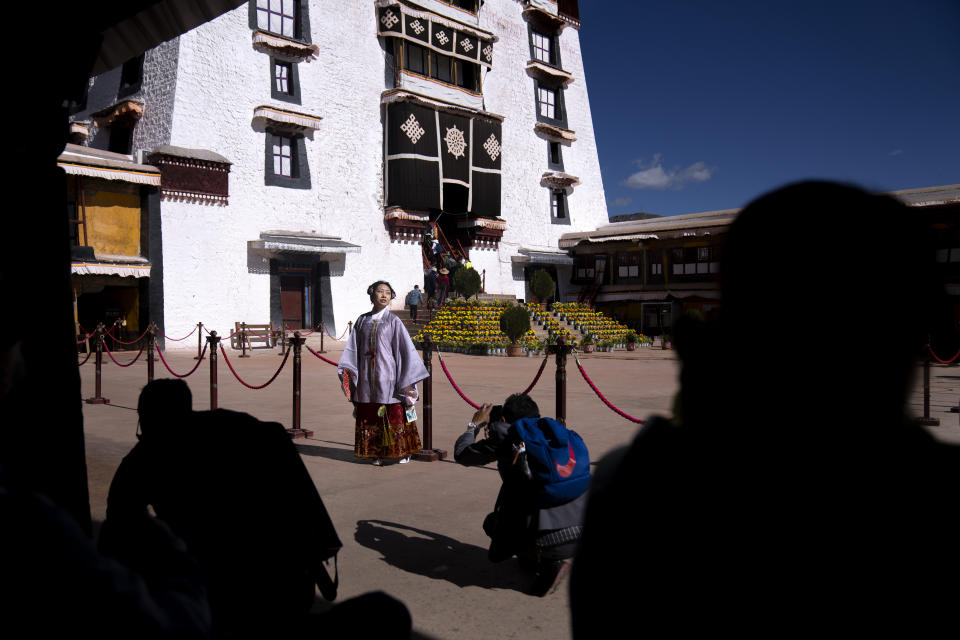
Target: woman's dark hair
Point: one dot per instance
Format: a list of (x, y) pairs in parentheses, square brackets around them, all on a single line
[(520, 405), (373, 287), (164, 402)]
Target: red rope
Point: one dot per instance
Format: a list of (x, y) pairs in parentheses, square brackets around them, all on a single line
[(109, 353), (85, 359), (250, 386), (455, 387), (321, 357), (132, 341), (82, 341), (600, 395), (178, 339), (82, 329), (199, 360), (304, 335), (335, 337), (537, 378), (943, 361)]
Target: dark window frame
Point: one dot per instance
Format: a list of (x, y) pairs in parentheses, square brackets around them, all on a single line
[(299, 168), (554, 46), (559, 105), (554, 161), (430, 63), (654, 258), (559, 207), (131, 76), (629, 259), (293, 81), (301, 21)]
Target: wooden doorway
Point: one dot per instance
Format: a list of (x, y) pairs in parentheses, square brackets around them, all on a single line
[(291, 301)]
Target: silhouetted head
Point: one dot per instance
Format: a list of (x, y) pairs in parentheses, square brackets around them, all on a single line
[(164, 403), (520, 405), (827, 293)]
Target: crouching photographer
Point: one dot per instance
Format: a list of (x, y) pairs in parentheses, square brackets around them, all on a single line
[(545, 469)]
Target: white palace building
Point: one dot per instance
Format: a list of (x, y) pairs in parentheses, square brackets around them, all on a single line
[(290, 152)]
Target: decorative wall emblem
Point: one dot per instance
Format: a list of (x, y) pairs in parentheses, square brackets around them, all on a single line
[(389, 19), (466, 45), (488, 52), (492, 147), (456, 144), (413, 129), (441, 37), (417, 27)]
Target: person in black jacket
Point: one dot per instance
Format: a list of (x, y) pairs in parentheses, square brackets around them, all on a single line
[(543, 538)]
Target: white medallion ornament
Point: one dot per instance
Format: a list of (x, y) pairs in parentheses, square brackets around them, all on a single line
[(488, 52), (456, 144), (388, 19), (413, 129), (466, 45), (417, 27), (492, 147), (441, 37)]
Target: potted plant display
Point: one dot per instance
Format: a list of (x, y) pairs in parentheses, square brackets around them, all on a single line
[(514, 322), (587, 342), (631, 339), (542, 286)]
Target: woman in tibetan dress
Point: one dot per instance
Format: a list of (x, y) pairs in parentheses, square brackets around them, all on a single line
[(379, 370)]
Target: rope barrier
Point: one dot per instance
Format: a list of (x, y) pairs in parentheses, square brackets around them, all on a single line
[(82, 341), (199, 361), (83, 330), (600, 395), (537, 377), (304, 335), (178, 339), (455, 387), (132, 341), (943, 361), (320, 356), (110, 353), (335, 337), (207, 330), (85, 359), (226, 359)]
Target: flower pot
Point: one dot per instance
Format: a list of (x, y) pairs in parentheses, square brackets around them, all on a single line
[(514, 350), (588, 348), (631, 346)]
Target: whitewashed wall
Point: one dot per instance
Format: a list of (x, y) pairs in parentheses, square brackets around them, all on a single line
[(221, 79)]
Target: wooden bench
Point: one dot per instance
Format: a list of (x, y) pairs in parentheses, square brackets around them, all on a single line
[(255, 332)]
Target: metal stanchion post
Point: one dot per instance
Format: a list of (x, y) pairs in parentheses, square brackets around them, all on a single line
[(562, 350), (212, 341), (243, 340), (283, 339), (151, 345), (428, 453), (323, 330), (98, 386), (296, 343), (349, 327), (926, 420), (199, 340)]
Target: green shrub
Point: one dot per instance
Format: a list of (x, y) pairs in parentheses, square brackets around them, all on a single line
[(542, 285), (515, 322), (467, 282)]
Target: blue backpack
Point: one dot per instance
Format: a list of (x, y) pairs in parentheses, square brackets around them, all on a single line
[(558, 459)]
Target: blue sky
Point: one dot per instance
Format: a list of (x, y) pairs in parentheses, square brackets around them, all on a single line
[(703, 105)]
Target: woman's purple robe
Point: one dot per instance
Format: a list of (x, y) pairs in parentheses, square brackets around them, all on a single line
[(380, 369)]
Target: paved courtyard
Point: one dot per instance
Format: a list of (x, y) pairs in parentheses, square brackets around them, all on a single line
[(414, 530)]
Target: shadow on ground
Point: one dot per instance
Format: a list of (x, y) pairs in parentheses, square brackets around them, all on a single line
[(437, 556), (333, 453)]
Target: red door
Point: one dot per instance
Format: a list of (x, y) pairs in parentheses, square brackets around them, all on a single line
[(291, 301)]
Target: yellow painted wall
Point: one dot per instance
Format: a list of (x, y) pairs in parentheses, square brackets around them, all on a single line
[(113, 218)]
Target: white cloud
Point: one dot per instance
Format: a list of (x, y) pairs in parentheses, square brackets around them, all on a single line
[(895, 152), (653, 176), (621, 202)]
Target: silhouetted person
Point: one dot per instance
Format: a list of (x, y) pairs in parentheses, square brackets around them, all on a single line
[(794, 495), (538, 515), (54, 584), (236, 490)]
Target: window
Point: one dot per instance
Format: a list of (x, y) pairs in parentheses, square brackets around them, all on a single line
[(277, 16), (655, 267), (558, 208), (131, 76), (585, 267), (554, 158), (541, 47), (286, 160), (446, 69), (694, 263), (121, 138), (282, 158), (548, 101), (469, 5), (628, 266), (284, 81)]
